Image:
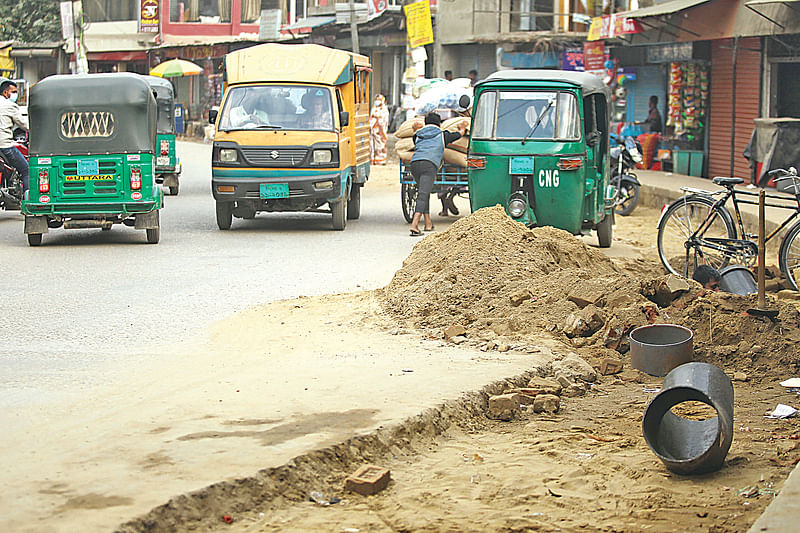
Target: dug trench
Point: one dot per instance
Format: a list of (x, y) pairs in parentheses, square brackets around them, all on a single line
[(493, 285)]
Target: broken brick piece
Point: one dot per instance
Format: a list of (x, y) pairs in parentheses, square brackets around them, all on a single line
[(456, 330), (368, 480), (610, 366)]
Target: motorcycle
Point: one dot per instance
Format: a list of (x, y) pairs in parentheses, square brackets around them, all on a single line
[(624, 158), (11, 188)]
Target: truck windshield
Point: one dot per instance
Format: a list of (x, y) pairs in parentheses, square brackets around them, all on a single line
[(285, 107), (544, 115)]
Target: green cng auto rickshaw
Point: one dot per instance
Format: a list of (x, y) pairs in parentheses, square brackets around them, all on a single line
[(539, 147), (92, 150), (168, 165)]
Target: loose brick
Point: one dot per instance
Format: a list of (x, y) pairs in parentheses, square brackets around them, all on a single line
[(503, 407), (455, 330), (368, 480), (610, 366)]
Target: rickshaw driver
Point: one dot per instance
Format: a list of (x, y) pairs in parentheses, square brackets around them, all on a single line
[(11, 117)]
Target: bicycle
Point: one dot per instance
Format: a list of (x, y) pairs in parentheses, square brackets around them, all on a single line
[(699, 230)]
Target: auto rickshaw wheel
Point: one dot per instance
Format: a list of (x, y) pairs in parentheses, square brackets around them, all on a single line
[(408, 199), (173, 191), (339, 212), (224, 215), (34, 239), (354, 203), (153, 235), (605, 230)]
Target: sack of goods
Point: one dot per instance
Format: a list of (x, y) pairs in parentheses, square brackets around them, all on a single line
[(454, 154)]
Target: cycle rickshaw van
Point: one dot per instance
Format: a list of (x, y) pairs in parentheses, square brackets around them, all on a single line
[(92, 150), (539, 146), (292, 133), (168, 164)]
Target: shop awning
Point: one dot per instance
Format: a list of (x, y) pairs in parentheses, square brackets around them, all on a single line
[(756, 6), (664, 8), (308, 23)]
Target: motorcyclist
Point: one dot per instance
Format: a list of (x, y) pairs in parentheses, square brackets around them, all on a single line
[(11, 118)]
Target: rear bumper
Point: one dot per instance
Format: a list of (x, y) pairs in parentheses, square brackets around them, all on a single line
[(95, 208)]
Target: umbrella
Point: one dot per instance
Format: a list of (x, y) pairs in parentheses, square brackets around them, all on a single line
[(175, 68)]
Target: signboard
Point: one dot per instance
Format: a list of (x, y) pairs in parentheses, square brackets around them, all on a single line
[(572, 59), (594, 57), (610, 26), (664, 53), (418, 23), (375, 7), (67, 26), (148, 16), (269, 27)]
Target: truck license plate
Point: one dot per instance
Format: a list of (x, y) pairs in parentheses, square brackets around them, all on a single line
[(273, 190)]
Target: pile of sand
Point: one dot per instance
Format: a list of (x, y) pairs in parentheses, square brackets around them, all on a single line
[(501, 280)]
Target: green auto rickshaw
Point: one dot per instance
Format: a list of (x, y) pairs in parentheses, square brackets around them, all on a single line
[(92, 155), (168, 165), (539, 147)]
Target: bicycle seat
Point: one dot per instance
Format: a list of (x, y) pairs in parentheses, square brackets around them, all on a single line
[(719, 180)]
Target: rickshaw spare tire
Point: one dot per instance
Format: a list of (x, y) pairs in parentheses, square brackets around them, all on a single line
[(354, 203), (224, 215), (339, 214), (605, 230)]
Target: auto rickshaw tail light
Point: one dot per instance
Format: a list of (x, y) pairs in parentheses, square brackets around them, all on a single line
[(476, 162), (164, 147), (44, 180), (573, 163), (136, 178)]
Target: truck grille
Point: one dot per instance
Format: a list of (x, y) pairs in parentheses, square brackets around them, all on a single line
[(275, 157)]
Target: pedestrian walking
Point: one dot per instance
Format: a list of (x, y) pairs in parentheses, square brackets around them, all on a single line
[(378, 126), (473, 77), (429, 143)]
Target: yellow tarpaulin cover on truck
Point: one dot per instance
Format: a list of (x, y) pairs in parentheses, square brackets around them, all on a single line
[(310, 63)]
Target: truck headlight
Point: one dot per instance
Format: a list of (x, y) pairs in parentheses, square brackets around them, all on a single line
[(517, 206), (322, 156), (227, 155)]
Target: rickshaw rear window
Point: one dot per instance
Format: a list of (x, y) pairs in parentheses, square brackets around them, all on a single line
[(526, 114)]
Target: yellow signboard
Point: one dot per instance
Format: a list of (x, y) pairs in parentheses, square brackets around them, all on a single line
[(418, 23)]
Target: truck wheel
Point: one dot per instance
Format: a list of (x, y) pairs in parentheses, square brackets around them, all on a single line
[(339, 212), (224, 215), (34, 239), (605, 231), (354, 203)]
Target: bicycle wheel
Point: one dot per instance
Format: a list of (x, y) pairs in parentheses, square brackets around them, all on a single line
[(408, 199), (789, 255), (679, 222)]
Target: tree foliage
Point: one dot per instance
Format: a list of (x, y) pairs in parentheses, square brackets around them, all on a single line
[(31, 21)]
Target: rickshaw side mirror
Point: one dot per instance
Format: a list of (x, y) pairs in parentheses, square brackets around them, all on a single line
[(344, 118), (212, 116), (464, 101)]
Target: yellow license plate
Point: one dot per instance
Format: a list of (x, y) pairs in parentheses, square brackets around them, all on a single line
[(96, 177)]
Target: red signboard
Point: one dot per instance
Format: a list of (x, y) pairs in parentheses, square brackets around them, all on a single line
[(148, 16), (594, 57)]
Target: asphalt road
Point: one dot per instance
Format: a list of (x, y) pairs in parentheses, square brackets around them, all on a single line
[(83, 307)]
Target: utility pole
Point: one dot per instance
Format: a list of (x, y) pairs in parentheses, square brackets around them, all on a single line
[(354, 27)]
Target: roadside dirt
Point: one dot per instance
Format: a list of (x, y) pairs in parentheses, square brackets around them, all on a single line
[(586, 467)]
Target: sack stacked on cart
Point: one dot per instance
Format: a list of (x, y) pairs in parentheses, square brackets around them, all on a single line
[(454, 154)]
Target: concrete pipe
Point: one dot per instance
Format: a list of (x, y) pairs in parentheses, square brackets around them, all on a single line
[(691, 446)]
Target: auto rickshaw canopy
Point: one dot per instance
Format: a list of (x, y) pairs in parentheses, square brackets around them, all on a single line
[(91, 114), (589, 83), (165, 98), (296, 63)]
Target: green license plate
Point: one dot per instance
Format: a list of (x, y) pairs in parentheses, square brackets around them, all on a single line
[(520, 165), (273, 190)]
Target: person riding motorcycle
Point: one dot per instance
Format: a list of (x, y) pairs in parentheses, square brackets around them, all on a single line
[(11, 118)]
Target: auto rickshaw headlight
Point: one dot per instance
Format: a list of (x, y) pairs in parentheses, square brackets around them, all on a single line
[(322, 156), (517, 206), (227, 155)]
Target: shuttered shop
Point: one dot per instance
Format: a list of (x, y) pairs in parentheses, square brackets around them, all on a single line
[(725, 122)]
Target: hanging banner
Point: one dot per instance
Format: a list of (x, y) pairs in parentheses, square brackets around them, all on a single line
[(67, 26), (418, 23), (148, 16), (594, 57), (610, 26)]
